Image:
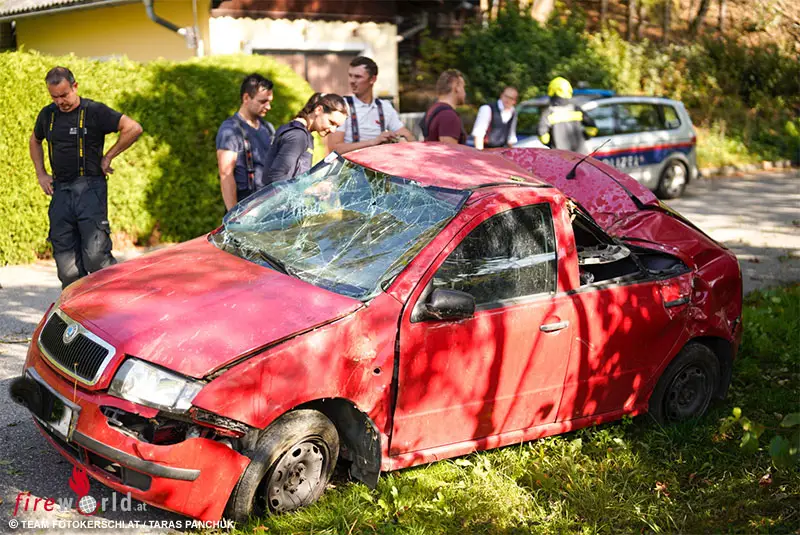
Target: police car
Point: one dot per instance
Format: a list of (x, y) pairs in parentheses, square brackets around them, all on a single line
[(650, 138)]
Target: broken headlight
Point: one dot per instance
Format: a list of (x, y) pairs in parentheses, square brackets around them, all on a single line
[(149, 385)]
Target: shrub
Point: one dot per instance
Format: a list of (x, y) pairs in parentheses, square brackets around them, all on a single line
[(167, 182), (745, 99)]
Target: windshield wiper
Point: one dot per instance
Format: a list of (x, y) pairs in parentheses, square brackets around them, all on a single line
[(246, 249), (276, 263)]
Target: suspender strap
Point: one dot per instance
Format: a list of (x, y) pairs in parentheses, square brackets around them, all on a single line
[(354, 119), (50, 140), (248, 154), (81, 139), (380, 114)]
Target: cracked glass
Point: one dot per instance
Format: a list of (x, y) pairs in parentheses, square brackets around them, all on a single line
[(340, 226), (510, 255)]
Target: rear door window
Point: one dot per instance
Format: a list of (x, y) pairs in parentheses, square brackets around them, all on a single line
[(671, 118), (603, 117), (633, 118)]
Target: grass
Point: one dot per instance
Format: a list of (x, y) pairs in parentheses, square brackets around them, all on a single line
[(632, 476)]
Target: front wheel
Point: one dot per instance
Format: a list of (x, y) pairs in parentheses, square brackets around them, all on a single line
[(673, 180), (686, 387), (291, 465)]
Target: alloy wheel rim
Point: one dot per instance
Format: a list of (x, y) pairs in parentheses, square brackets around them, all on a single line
[(676, 178)]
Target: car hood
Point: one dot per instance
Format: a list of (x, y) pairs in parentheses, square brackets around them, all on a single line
[(193, 308), (621, 206)]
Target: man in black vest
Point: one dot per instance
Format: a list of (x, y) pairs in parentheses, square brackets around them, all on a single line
[(496, 123), (75, 129)]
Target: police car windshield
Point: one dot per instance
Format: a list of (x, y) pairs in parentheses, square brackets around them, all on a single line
[(340, 226)]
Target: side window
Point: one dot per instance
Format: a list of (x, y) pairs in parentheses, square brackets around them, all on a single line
[(509, 255), (603, 117), (632, 118), (528, 120), (671, 118)]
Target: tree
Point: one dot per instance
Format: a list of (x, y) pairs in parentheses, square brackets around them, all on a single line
[(722, 10), (631, 15), (603, 12), (642, 20), (542, 9), (667, 20), (698, 20)]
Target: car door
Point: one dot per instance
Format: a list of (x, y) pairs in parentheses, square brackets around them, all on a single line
[(501, 369), (639, 136), (603, 117), (627, 321)]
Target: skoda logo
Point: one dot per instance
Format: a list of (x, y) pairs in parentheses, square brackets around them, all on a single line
[(70, 333)]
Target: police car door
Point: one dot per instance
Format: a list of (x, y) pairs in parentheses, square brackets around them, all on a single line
[(603, 117)]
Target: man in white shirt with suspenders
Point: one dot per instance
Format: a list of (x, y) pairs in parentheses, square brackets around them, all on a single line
[(372, 121)]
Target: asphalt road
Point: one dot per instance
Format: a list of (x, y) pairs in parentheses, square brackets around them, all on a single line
[(757, 216)]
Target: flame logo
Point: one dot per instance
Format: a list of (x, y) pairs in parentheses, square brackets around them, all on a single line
[(79, 482)]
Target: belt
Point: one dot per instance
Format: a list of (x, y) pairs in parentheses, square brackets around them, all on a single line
[(80, 182)]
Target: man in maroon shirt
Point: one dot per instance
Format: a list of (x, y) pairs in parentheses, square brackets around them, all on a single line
[(441, 122)]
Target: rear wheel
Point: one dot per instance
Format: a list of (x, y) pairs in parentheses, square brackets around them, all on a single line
[(291, 465), (673, 180), (686, 387)]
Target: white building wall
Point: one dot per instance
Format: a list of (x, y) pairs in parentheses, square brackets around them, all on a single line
[(376, 40)]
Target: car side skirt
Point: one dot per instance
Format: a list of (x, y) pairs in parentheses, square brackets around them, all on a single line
[(416, 458)]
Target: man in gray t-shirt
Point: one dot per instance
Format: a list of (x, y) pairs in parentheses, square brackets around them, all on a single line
[(243, 142)]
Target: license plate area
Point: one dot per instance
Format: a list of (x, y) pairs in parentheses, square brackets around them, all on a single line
[(55, 412)]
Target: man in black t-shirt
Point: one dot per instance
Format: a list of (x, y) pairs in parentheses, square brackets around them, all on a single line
[(75, 129)]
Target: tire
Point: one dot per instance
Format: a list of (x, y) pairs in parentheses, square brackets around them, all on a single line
[(673, 180), (290, 466), (687, 386)]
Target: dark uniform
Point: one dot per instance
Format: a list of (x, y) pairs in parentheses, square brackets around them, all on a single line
[(79, 229), (498, 132), (564, 126), (251, 147)]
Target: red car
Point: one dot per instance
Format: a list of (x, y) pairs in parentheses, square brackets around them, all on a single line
[(400, 305)]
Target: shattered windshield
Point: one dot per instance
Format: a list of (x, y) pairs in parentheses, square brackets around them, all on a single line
[(340, 226)]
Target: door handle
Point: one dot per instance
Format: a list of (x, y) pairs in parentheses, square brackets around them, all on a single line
[(553, 327)]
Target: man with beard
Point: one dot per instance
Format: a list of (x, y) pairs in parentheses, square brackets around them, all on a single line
[(372, 121), (75, 129), (243, 142)]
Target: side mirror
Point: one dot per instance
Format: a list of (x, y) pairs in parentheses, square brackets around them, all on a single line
[(449, 305)]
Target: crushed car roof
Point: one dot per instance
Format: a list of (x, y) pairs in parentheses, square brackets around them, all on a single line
[(443, 165)]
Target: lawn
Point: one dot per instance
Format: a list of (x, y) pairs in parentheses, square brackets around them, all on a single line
[(629, 477)]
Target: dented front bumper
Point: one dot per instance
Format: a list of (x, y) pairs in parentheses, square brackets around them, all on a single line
[(193, 477)]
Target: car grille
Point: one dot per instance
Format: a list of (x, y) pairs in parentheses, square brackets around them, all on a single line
[(84, 357)]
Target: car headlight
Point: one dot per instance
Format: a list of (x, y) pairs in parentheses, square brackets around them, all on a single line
[(149, 385)]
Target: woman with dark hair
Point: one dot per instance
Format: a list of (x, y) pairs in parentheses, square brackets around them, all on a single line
[(293, 146)]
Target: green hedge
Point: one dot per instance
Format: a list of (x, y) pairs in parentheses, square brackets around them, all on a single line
[(166, 185)]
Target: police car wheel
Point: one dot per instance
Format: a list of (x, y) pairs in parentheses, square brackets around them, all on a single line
[(673, 180)]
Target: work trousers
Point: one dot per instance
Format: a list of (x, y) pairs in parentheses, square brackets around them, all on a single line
[(79, 229)]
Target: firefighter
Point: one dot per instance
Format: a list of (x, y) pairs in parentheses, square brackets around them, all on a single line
[(563, 125), (75, 129)]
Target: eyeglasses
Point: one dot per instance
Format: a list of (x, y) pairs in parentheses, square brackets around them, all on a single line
[(508, 97)]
